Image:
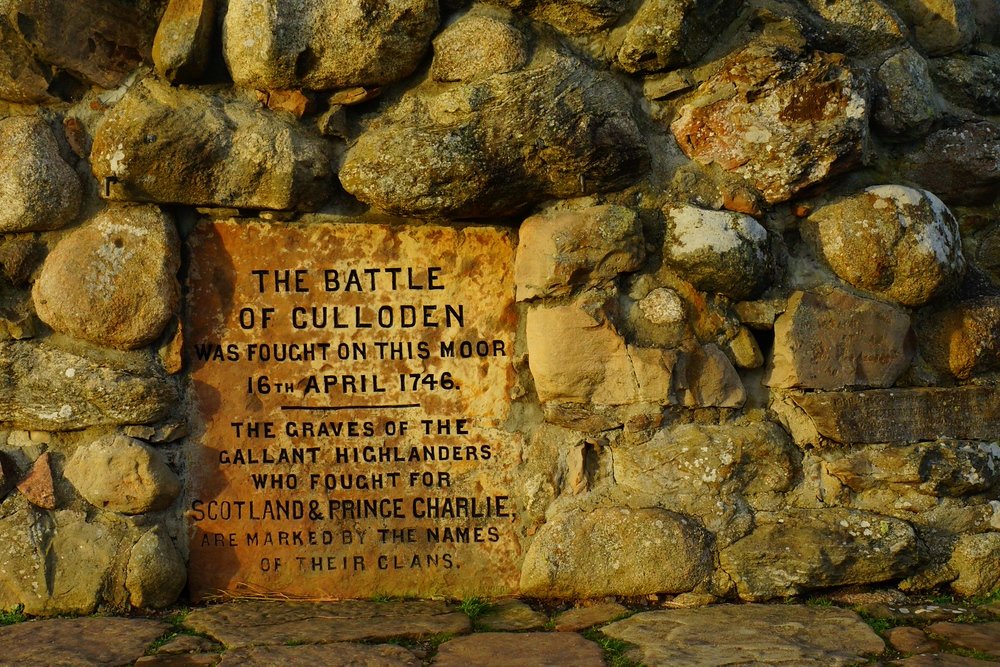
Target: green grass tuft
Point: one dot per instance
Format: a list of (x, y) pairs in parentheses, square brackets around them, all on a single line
[(614, 649), (474, 607), (13, 615)]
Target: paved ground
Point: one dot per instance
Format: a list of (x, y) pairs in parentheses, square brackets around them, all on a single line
[(876, 628)]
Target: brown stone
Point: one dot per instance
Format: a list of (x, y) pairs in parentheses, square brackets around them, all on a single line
[(156, 572), (478, 45), (942, 660), (664, 34), (704, 377), (907, 639), (939, 26), (22, 78), (905, 414), (581, 618), (962, 339), (960, 164), (183, 40), (976, 560), (332, 655), (530, 649), (511, 616), (182, 644), (270, 623), (37, 485), (837, 340), (294, 102), (748, 634), (983, 637), (190, 660), (78, 642)]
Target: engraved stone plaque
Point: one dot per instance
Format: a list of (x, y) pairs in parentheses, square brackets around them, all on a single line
[(352, 382)]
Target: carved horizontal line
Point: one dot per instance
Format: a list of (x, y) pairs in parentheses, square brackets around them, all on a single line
[(333, 408)]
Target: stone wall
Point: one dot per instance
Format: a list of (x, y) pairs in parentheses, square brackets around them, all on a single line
[(756, 276)]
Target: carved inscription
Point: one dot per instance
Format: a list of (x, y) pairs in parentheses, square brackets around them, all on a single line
[(352, 382)]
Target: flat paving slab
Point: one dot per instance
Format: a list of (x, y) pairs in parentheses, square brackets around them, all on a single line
[(511, 616), (943, 660), (265, 622), (520, 649), (748, 634), (327, 655), (983, 637), (78, 642)]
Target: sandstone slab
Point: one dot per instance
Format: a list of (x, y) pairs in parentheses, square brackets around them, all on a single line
[(478, 45), (165, 145), (942, 660), (79, 642), (269, 623), (581, 618), (190, 660), (334, 655), (511, 616), (529, 649), (983, 637), (748, 634), (959, 164), (837, 340), (38, 189), (904, 414), (290, 44), (962, 339), (907, 639), (183, 40), (616, 551), (113, 281)]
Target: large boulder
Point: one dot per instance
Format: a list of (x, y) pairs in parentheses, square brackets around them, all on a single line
[(164, 145), (113, 281), (959, 164), (321, 44), (616, 551), (156, 572), (782, 120), (892, 241), (498, 144), (38, 190), (664, 34)]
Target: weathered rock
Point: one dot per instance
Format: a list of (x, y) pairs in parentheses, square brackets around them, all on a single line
[(38, 190), (861, 26), (100, 42), (560, 251), (942, 660), (665, 34), (904, 414), (188, 644), (895, 242), (164, 145), (962, 339), (717, 251), (191, 660), (801, 550), (960, 164), (581, 618), (781, 121), (49, 389), (983, 637), (268, 623), (37, 486), (579, 357), (907, 639), (616, 551), (19, 257), (987, 20), (22, 78), (573, 16), (478, 45), (156, 573), (511, 616), (499, 144), (837, 340), (79, 642), (748, 634), (339, 653), (113, 281), (286, 44), (939, 26), (976, 560), (123, 475), (969, 81), (906, 103), (704, 377), (498, 649), (8, 477), (183, 40)]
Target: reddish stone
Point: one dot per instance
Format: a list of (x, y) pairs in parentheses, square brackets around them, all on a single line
[(37, 485)]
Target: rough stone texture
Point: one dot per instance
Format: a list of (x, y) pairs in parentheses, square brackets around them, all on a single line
[(581, 618), (709, 471), (50, 389), (285, 44), (182, 644), (616, 551), (156, 573), (573, 16), (717, 251), (500, 649), (895, 242), (332, 655), (837, 340), (37, 486), (906, 103), (22, 78), (942, 660), (939, 26), (183, 41), (801, 550), (492, 147), (511, 616), (665, 34), (905, 414), (780, 132), (113, 281), (969, 81), (194, 660), (478, 45), (976, 560), (748, 634), (959, 164), (7, 476), (983, 637), (57, 642), (38, 190), (268, 623), (906, 639), (861, 26), (165, 145), (576, 357), (962, 339), (704, 377), (123, 475), (559, 251)]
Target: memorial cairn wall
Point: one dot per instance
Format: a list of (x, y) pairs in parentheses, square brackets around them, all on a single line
[(559, 298)]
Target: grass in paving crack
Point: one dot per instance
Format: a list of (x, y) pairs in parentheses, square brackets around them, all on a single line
[(474, 607), (13, 615), (614, 649)]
